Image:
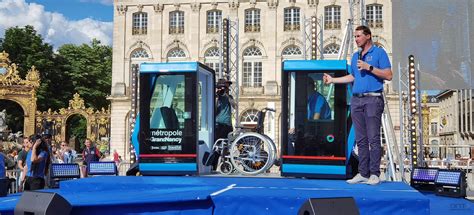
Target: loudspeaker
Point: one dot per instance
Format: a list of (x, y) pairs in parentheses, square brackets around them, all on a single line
[(329, 206), (32, 202)]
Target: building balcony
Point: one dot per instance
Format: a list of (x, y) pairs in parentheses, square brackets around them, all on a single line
[(176, 30), (250, 90), (212, 29), (375, 24), (139, 31), (291, 27), (332, 26), (252, 28)]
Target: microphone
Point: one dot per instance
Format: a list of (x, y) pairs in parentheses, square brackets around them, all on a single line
[(360, 54)]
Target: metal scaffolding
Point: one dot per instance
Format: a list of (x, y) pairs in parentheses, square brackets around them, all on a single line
[(229, 54)]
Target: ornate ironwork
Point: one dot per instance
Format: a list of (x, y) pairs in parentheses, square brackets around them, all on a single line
[(21, 91), (98, 122)]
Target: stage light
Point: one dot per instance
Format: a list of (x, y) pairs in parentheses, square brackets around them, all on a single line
[(102, 168), (451, 183), (413, 109), (313, 37), (423, 178), (225, 47), (64, 171)]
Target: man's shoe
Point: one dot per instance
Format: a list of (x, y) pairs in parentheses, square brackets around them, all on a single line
[(358, 179), (373, 180)]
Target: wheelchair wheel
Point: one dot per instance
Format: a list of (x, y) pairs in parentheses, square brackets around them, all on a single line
[(225, 168), (252, 153)]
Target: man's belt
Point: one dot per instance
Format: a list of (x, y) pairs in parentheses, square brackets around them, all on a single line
[(366, 94)]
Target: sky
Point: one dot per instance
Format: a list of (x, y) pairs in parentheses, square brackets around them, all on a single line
[(61, 21)]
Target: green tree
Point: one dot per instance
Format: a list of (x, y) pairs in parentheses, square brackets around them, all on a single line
[(85, 69), (27, 48), (89, 68)]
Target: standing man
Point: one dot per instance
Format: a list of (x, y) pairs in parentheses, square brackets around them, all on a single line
[(224, 105), (369, 68), (5, 161), (37, 162), (90, 154), (27, 144), (68, 154)]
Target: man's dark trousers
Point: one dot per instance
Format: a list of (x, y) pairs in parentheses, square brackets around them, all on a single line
[(367, 118)]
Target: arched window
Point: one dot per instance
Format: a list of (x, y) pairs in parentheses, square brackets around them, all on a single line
[(176, 54), (252, 67), (331, 49), (140, 23), (139, 53), (212, 58), (252, 51), (292, 51), (249, 118)]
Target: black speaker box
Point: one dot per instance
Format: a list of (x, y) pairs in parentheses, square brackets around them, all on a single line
[(329, 206), (36, 203)]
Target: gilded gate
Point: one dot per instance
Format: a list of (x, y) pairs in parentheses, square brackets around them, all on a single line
[(20, 91), (98, 127)]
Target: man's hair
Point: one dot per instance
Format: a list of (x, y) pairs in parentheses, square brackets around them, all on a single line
[(365, 30)]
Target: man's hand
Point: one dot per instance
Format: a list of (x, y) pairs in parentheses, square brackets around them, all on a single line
[(37, 143), (362, 65), (327, 79)]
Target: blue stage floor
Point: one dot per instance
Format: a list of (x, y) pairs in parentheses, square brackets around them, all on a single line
[(238, 195)]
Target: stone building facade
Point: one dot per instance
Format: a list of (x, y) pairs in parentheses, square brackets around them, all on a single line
[(187, 30)]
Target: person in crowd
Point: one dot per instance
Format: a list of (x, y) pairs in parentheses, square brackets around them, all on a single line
[(37, 162), (27, 144), (90, 154), (5, 161), (68, 154), (117, 159)]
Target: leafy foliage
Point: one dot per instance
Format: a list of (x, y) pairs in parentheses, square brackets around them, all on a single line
[(85, 69)]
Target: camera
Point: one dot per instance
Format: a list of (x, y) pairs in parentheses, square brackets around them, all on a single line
[(220, 91), (221, 88)]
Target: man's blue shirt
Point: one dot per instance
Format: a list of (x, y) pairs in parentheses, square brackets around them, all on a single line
[(39, 168), (318, 104), (364, 80)]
